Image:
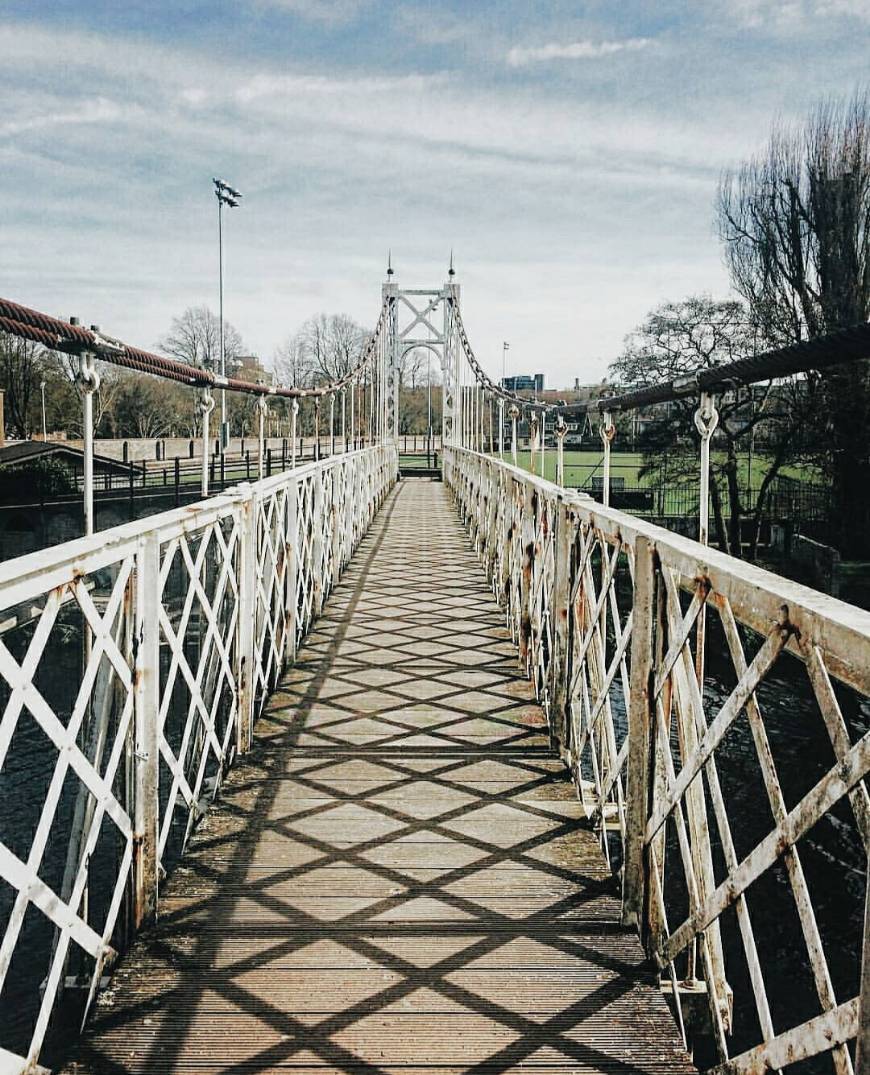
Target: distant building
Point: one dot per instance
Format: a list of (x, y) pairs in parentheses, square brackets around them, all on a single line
[(249, 368), (524, 382)]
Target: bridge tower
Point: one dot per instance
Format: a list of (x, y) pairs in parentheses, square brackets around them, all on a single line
[(421, 318)]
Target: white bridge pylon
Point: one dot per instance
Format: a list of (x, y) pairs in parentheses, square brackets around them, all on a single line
[(421, 318)]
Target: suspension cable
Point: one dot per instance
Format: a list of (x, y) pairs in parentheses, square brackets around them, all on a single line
[(70, 338), (485, 381)]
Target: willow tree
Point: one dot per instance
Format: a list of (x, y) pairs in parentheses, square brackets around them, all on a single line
[(795, 221)]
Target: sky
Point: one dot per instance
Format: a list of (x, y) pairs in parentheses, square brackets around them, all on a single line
[(567, 152)]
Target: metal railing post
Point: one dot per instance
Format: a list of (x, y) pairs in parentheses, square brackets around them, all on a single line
[(514, 413), (706, 420), (146, 707), (607, 431), (89, 382), (501, 429), (294, 411), (291, 548), (262, 407), (560, 671), (640, 734), (246, 624), (206, 406), (331, 424), (560, 429)]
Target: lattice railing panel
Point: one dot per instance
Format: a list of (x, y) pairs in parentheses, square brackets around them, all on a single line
[(132, 667), (715, 717)]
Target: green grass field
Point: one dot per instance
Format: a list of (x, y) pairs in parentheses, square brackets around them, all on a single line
[(582, 466)]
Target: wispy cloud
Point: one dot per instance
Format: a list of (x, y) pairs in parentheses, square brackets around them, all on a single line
[(330, 12), (574, 50)]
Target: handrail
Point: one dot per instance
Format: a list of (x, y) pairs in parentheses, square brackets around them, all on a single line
[(605, 609), (179, 626)]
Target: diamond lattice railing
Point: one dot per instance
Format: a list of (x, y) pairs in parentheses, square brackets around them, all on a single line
[(132, 667), (715, 717)]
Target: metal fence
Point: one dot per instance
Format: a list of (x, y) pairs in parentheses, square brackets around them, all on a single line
[(611, 615), (133, 665)]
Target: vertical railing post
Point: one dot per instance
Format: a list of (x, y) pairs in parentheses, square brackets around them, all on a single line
[(318, 553), (246, 624), (89, 382), (294, 412), (706, 420), (335, 515), (560, 429), (528, 561), (262, 407), (561, 612), (206, 406), (607, 431), (146, 707), (501, 429), (291, 550), (514, 413), (640, 734)]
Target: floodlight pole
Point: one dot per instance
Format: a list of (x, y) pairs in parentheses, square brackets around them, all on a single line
[(225, 194), (224, 438)]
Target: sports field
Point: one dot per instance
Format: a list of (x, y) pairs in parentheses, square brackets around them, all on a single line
[(582, 467)]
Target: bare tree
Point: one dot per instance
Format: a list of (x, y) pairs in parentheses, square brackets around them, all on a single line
[(796, 225), (293, 364), (681, 338), (412, 367), (22, 367), (194, 338), (333, 344)]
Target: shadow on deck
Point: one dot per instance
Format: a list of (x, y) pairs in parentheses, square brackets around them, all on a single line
[(397, 876)]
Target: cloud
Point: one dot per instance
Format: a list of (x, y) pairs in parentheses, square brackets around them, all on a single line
[(329, 12), (575, 50)]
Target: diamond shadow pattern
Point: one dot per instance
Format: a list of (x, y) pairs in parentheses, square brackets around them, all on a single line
[(397, 877)]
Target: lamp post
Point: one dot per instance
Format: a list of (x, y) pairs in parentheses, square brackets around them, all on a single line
[(505, 347), (226, 195), (42, 390)]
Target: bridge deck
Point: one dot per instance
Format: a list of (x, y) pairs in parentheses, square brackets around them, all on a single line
[(397, 877)]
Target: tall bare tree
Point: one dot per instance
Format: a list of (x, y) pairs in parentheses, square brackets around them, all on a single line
[(194, 337), (796, 225), (332, 344), (293, 364)]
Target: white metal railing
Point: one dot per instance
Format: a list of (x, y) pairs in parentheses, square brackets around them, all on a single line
[(133, 665), (610, 615)]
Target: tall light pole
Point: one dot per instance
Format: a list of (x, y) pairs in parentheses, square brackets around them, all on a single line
[(505, 347), (42, 390), (225, 195)]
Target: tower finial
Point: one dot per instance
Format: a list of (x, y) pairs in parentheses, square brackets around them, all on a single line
[(451, 271), (389, 263)]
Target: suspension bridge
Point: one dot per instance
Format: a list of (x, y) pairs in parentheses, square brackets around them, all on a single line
[(336, 772)]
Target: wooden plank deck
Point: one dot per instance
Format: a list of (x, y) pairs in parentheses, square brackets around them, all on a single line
[(397, 877)]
